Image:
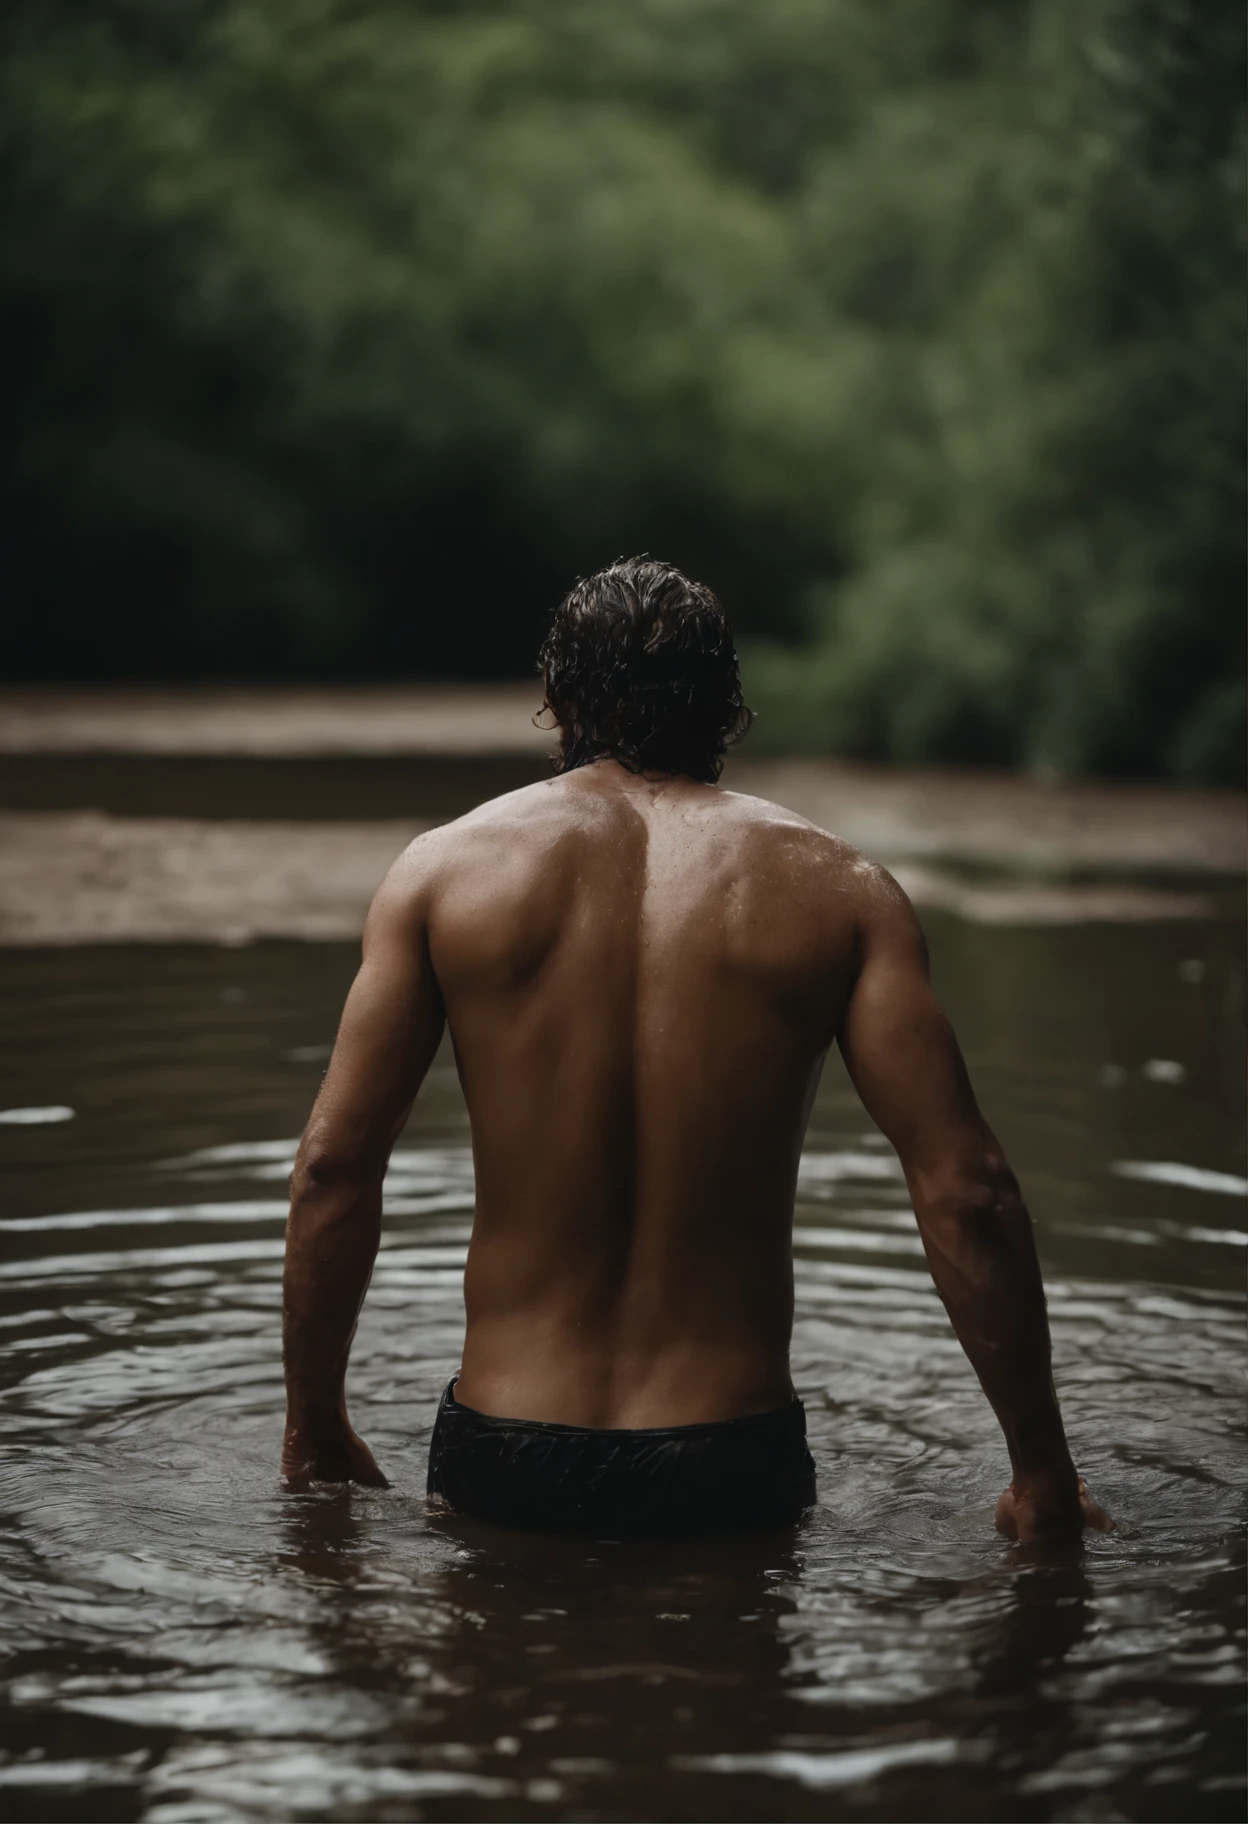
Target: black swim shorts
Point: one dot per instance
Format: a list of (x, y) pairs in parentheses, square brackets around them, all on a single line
[(741, 1473)]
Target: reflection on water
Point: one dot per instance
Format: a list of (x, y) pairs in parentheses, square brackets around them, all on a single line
[(185, 1642)]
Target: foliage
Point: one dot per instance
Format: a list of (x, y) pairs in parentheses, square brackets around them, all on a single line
[(342, 333)]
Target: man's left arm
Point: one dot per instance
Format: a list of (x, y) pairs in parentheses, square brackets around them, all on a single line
[(391, 1027)]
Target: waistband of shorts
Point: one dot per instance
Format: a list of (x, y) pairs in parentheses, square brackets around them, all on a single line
[(794, 1411)]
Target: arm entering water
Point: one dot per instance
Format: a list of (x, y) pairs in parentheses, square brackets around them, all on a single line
[(906, 1066), (390, 1029)]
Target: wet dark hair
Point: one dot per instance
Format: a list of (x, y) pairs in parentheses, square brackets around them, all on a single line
[(639, 667)]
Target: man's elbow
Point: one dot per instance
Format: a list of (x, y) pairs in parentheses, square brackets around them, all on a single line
[(978, 1201), (329, 1167)]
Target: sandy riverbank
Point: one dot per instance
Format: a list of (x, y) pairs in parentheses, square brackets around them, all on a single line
[(79, 876)]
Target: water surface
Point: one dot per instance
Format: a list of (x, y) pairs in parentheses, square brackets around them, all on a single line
[(183, 1641)]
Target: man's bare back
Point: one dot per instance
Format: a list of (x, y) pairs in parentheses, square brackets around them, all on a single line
[(642, 978), (642, 975)]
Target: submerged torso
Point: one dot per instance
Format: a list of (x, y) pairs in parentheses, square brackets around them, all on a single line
[(641, 981)]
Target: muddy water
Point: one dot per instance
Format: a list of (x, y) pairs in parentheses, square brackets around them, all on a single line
[(184, 1642)]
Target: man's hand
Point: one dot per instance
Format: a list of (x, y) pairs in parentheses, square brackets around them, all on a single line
[(1033, 1511), (337, 1454)]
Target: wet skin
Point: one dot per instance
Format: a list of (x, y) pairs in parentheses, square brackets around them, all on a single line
[(642, 978)]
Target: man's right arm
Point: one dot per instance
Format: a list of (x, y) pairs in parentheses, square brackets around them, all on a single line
[(907, 1068)]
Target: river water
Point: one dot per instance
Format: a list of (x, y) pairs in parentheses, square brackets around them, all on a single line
[(182, 1641)]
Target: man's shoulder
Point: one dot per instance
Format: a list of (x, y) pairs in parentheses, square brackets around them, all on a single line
[(528, 807), (521, 832), (775, 831), (757, 832), (523, 823), (528, 822)]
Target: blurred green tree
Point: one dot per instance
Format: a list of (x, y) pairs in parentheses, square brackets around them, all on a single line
[(340, 334)]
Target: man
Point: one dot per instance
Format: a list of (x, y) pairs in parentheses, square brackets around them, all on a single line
[(642, 975)]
